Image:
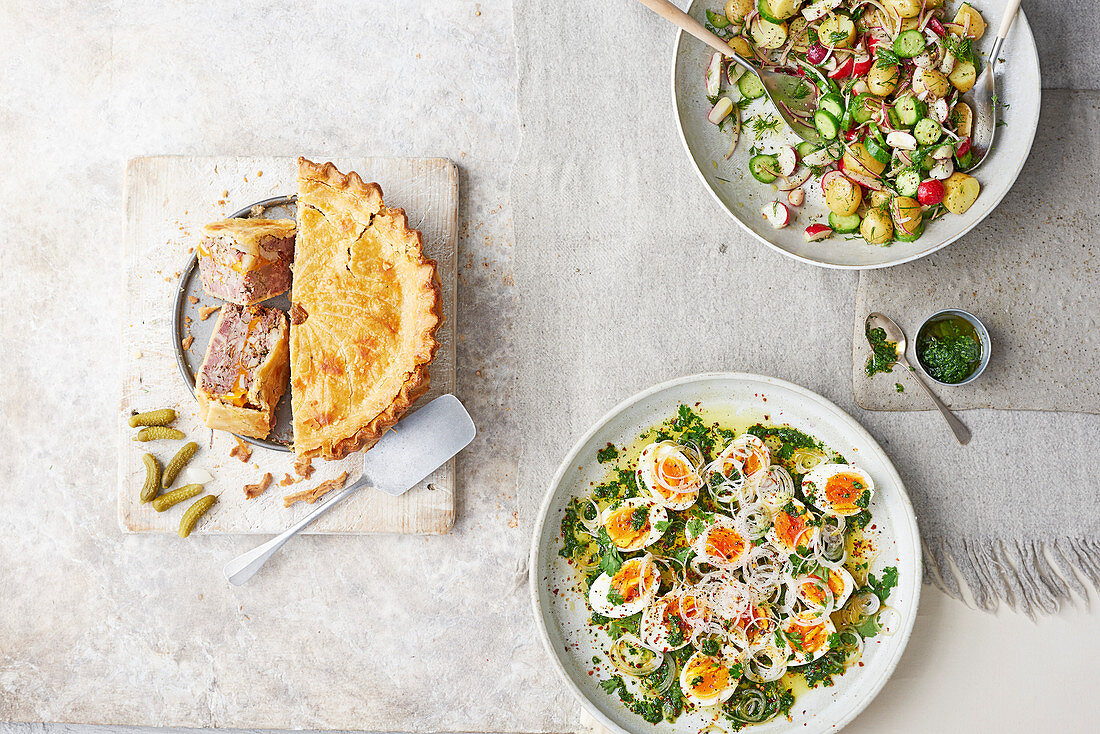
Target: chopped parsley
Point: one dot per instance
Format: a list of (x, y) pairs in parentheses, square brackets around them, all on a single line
[(606, 454)]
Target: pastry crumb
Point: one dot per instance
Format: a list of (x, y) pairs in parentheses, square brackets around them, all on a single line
[(252, 491), (242, 450), (187, 343), (187, 321), (303, 467), (138, 354), (312, 495), (287, 481), (206, 311), (193, 299)]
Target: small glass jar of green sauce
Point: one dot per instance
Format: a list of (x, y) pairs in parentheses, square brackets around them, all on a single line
[(952, 347)]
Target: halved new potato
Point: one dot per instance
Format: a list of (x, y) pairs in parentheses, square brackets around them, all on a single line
[(971, 20), (962, 117), (736, 10), (882, 80), (857, 158), (905, 8), (963, 76), (842, 195), (906, 213), (932, 81), (960, 191), (837, 31), (876, 227)]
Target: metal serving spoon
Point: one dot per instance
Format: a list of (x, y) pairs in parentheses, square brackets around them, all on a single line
[(786, 91), (982, 95), (894, 333)]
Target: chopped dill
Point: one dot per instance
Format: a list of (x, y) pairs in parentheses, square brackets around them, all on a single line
[(761, 125)]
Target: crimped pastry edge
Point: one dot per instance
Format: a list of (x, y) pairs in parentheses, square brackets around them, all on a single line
[(418, 381)]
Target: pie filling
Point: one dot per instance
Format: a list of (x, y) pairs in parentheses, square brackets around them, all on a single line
[(247, 261)]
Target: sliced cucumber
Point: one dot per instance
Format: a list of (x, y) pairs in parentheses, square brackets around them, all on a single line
[(862, 109), (844, 223), (908, 182), (718, 20), (805, 148), (927, 131), (833, 104), (827, 125), (965, 160), (764, 168), (910, 109), (765, 9), (909, 44), (901, 236), (750, 86), (892, 115), (878, 150)]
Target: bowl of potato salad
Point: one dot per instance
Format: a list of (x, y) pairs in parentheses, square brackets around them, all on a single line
[(879, 172)]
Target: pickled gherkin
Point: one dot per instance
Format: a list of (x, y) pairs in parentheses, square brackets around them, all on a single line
[(178, 461), (152, 478), (169, 499), (194, 512), (161, 417), (158, 433)]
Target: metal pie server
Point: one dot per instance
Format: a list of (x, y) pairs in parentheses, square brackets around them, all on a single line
[(417, 446)]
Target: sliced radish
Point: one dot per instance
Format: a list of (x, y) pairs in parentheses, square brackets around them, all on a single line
[(942, 170), (843, 69), (796, 197), (860, 87), (714, 75), (796, 179), (948, 63), (901, 140), (937, 27), (828, 177), (788, 159), (942, 152), (940, 110), (817, 232), (721, 110), (864, 180), (818, 158), (963, 147), (862, 63), (777, 214), (816, 54)]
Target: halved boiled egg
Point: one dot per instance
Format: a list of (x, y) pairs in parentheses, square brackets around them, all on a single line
[(811, 590), (838, 489), (706, 680), (627, 592), (664, 625), (808, 642), (633, 524), (720, 544), (748, 455), (670, 472), (791, 527)]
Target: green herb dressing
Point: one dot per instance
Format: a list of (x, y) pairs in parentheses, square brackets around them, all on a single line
[(884, 353), (949, 349)]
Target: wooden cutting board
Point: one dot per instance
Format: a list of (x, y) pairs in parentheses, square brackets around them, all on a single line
[(168, 199)]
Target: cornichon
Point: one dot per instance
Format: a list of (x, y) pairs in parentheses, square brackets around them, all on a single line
[(169, 499), (158, 433), (161, 417), (194, 512), (152, 478), (182, 457)]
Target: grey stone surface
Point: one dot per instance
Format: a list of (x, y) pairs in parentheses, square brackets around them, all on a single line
[(419, 634)]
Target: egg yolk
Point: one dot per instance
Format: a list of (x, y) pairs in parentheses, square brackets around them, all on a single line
[(843, 489), (707, 677), (748, 622), (725, 543), (620, 526), (673, 618), (813, 638), (789, 528), (628, 581), (752, 464), (675, 476), (690, 606), (816, 594)]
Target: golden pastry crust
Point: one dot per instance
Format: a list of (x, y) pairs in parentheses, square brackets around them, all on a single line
[(366, 309), (248, 234)]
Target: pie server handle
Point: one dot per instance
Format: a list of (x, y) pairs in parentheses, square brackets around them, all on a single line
[(417, 446)]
